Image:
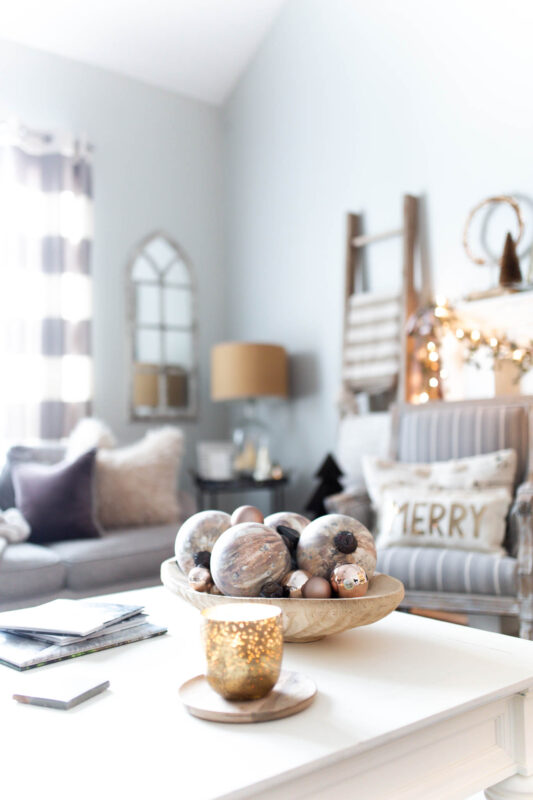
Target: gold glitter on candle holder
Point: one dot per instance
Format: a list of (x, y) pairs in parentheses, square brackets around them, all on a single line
[(243, 646)]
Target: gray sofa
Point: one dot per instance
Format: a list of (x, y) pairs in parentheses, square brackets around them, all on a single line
[(117, 561)]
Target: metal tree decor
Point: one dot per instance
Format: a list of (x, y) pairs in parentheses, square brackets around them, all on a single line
[(329, 474), (510, 273)]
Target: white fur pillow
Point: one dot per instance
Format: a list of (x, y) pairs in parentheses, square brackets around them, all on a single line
[(89, 433), (138, 484)]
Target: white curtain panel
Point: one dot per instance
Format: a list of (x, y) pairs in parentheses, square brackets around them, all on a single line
[(46, 232)]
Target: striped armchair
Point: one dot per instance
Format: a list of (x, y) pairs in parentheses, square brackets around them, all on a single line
[(490, 587)]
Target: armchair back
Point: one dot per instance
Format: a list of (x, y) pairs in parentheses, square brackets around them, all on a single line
[(445, 430)]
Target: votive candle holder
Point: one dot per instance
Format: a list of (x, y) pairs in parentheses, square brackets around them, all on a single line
[(243, 647)]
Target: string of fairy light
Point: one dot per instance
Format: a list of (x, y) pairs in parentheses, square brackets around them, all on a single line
[(430, 324)]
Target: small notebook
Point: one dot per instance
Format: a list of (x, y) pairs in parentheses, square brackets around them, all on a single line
[(60, 691)]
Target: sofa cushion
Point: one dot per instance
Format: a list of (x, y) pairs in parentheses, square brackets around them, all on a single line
[(456, 571), (29, 570), (57, 500), (137, 485), (23, 454), (118, 557)]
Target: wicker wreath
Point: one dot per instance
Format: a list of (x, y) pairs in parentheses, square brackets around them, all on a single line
[(501, 198)]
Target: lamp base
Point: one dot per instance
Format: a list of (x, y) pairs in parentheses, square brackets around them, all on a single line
[(251, 440)]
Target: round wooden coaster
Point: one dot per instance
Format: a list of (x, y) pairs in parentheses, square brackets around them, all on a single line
[(292, 693)]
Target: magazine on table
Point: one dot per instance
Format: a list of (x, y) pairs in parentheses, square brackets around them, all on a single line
[(22, 652), (57, 638), (67, 617)]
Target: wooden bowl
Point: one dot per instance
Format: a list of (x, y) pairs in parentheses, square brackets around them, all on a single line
[(303, 620)]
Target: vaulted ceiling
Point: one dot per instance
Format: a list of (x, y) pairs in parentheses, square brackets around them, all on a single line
[(195, 47)]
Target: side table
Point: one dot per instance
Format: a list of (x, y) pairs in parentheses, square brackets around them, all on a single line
[(207, 491)]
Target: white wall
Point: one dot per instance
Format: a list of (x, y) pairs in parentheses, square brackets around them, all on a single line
[(157, 164), (348, 105)]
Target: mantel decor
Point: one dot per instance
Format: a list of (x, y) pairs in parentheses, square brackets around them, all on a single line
[(433, 322), (501, 198), (510, 276)]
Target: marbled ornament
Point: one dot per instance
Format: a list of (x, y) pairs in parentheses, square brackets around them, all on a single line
[(287, 518), (336, 539), (198, 534), (246, 514), (247, 556), (349, 580)]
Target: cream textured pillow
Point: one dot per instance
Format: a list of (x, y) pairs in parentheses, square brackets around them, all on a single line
[(138, 484), (496, 469), (89, 433), (461, 519)]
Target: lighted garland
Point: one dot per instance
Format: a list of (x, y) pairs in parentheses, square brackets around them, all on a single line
[(430, 324)]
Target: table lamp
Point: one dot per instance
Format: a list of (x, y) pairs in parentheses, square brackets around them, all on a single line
[(248, 371)]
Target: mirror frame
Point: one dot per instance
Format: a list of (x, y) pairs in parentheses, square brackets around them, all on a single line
[(191, 412)]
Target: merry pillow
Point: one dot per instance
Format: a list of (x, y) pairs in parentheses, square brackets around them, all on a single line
[(460, 519), (489, 470)]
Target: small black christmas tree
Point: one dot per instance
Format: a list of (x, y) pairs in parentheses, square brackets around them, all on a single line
[(509, 264), (329, 474)]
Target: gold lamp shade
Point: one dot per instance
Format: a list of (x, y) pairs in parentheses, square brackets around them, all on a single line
[(241, 370)]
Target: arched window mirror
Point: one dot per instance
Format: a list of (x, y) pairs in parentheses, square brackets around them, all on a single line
[(162, 331)]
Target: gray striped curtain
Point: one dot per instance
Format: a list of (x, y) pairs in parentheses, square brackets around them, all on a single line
[(45, 284)]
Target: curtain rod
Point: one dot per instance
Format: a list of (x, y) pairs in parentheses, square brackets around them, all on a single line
[(13, 125)]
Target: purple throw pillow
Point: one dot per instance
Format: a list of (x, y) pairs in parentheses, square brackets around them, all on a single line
[(57, 500)]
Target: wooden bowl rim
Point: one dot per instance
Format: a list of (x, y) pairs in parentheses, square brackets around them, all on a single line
[(375, 592)]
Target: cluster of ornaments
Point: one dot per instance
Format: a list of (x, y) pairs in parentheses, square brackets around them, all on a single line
[(282, 555)]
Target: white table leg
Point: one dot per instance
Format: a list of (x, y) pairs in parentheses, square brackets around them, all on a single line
[(517, 787)]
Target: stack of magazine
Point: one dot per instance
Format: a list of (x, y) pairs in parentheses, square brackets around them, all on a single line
[(31, 637)]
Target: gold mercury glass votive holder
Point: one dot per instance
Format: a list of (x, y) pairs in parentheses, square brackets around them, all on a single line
[(243, 646)]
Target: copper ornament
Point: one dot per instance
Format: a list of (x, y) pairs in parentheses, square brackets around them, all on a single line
[(316, 588), (246, 514), (200, 579), (349, 580), (295, 581)]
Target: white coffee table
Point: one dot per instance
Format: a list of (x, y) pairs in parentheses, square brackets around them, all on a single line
[(408, 708)]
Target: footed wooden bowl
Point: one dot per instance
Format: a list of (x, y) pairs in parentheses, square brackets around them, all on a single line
[(303, 620)]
